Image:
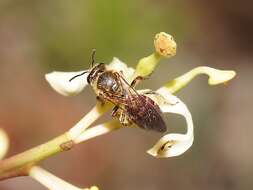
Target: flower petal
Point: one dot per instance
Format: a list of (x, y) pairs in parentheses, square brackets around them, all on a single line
[(216, 76), (88, 119), (118, 65), (4, 143), (172, 144), (59, 81), (49, 180), (98, 130), (219, 76)]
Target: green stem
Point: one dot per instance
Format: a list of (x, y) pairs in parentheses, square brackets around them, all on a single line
[(147, 65), (20, 164), (34, 155)]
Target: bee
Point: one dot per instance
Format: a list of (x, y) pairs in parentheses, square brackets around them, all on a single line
[(130, 106)]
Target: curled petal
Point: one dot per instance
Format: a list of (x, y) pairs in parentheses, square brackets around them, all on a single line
[(215, 77), (119, 66), (60, 81), (172, 144), (218, 76), (4, 143)]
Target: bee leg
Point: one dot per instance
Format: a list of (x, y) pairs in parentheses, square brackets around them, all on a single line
[(151, 92), (137, 80), (114, 111), (101, 100), (124, 120)]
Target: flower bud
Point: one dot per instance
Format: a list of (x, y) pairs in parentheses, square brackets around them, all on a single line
[(4, 143), (165, 45)]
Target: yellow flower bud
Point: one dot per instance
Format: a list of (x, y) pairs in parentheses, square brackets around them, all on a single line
[(165, 45)]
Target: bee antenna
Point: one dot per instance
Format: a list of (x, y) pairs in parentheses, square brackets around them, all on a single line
[(78, 75), (93, 57), (92, 63)]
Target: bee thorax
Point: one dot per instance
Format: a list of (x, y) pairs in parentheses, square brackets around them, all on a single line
[(108, 82)]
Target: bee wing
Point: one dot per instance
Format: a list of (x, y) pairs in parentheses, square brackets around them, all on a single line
[(142, 110)]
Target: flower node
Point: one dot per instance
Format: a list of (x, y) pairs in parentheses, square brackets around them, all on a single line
[(67, 145)]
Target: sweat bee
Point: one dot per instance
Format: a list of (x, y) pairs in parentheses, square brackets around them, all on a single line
[(130, 106)]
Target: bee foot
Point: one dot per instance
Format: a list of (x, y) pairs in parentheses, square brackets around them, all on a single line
[(102, 102)]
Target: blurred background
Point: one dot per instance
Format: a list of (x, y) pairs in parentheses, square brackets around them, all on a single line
[(38, 36)]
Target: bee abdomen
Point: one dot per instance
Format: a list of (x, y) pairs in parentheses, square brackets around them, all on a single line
[(146, 114)]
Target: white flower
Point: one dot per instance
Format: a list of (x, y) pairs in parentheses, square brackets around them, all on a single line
[(172, 144), (59, 81), (53, 182), (169, 145)]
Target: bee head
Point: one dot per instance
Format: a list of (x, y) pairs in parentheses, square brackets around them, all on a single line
[(93, 71), (100, 67)]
